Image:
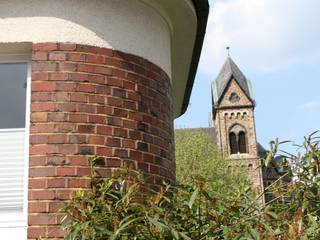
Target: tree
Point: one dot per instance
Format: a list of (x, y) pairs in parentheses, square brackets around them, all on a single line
[(196, 155)]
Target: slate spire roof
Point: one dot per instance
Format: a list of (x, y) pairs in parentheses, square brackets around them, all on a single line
[(228, 71)]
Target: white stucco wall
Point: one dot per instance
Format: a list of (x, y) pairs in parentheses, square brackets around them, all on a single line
[(132, 26)]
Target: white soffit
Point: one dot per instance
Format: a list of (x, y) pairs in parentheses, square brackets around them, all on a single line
[(181, 18)]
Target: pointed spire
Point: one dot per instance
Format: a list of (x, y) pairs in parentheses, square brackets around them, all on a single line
[(228, 51), (228, 71)]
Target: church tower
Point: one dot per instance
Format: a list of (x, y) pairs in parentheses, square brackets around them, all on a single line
[(233, 115)]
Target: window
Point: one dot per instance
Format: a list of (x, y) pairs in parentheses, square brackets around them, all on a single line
[(237, 139), (242, 142), (14, 79), (233, 143)]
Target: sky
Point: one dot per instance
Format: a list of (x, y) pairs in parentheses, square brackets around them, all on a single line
[(275, 43)]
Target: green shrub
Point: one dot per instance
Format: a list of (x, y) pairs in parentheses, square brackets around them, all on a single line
[(114, 208)]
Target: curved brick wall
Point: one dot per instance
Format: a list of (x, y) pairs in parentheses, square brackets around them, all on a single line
[(93, 101)]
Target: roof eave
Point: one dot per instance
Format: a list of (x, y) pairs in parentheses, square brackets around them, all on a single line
[(202, 10)]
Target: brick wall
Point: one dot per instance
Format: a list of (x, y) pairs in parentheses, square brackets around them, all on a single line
[(93, 101)]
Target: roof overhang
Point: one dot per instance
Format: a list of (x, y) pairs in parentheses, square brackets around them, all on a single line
[(187, 20)]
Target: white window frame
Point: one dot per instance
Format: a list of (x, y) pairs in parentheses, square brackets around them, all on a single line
[(16, 226)]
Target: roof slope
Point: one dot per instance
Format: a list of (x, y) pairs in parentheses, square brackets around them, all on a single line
[(229, 71)]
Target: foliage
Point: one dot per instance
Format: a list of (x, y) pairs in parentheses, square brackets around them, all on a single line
[(296, 205), (116, 209), (196, 155)]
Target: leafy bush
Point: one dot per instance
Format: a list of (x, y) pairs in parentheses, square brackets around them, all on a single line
[(115, 208)]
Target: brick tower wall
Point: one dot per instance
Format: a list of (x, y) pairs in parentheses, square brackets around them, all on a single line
[(93, 101)]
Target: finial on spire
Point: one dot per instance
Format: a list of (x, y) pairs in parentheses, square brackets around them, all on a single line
[(228, 51)]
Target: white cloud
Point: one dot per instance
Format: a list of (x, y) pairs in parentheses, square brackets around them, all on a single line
[(312, 106), (264, 35)]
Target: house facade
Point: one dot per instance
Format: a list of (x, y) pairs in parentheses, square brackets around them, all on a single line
[(83, 78)]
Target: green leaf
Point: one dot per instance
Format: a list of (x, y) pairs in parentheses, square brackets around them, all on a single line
[(193, 198)]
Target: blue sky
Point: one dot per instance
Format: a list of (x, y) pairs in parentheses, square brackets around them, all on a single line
[(276, 45)]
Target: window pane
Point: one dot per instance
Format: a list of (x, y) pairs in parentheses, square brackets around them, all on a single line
[(233, 143), (13, 77), (242, 142)]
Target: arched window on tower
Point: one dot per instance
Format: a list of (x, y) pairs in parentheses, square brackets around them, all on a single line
[(242, 145), (233, 143)]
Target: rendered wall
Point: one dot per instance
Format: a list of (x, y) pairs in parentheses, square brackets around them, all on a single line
[(129, 26)]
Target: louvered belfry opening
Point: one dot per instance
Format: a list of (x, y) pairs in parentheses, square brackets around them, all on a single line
[(242, 142), (233, 143), (238, 142)]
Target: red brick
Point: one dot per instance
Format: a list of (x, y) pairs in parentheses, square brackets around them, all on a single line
[(78, 97), (103, 70), (86, 128), (54, 207), (56, 232), (97, 119), (37, 207), (38, 139), (42, 219), (37, 183), (79, 77), (44, 66), (88, 88), (57, 117), (86, 108), (104, 110), (40, 56), (42, 171), (68, 67), (66, 86), (112, 162), (67, 46), (37, 161), (41, 194), (40, 76), (96, 59), (56, 160), (104, 151), (113, 142), (86, 68), (56, 183), (36, 232), (61, 96), (45, 46), (128, 143), (57, 56), (104, 130), (120, 132), (78, 118), (66, 107), (78, 139), (117, 102), (61, 138), (121, 153), (66, 171), (76, 57), (59, 76), (42, 149), (43, 86), (96, 140), (78, 183)]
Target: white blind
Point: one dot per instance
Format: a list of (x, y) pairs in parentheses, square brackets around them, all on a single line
[(11, 170)]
